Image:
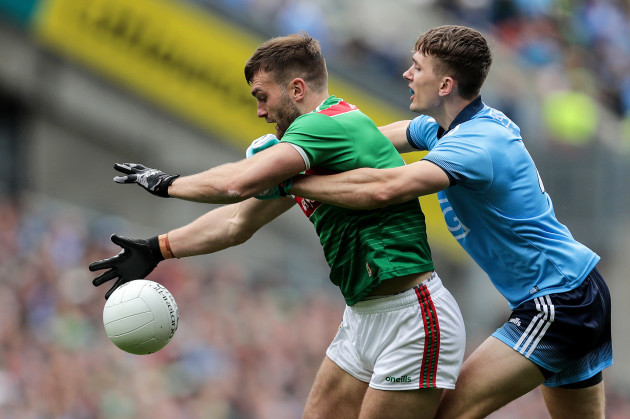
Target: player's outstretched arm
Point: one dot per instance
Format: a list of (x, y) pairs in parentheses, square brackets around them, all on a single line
[(228, 183), (368, 188), (218, 229), (235, 182), (225, 226)]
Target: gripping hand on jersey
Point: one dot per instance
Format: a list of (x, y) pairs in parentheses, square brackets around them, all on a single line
[(136, 260), (153, 180), (258, 145)]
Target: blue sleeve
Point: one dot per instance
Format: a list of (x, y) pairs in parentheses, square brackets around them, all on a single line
[(422, 132)]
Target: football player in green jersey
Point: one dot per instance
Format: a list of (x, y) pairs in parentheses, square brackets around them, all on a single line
[(402, 337)]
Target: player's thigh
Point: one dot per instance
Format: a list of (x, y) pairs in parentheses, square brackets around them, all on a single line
[(583, 403), (335, 393), (412, 404), (491, 377)]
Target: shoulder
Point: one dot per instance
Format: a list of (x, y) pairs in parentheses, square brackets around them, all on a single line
[(422, 121), (338, 117), (496, 121), (312, 124), (489, 129), (422, 132)]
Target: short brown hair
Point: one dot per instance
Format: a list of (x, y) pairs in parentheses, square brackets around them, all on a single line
[(459, 50), (287, 57)]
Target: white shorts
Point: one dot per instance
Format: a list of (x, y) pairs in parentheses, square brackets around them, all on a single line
[(412, 340)]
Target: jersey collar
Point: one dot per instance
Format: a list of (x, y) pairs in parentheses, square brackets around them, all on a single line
[(465, 115), (328, 102)]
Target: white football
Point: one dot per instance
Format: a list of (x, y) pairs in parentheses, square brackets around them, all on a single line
[(141, 317)]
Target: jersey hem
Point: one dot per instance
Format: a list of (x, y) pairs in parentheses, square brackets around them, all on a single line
[(389, 275), (558, 290)]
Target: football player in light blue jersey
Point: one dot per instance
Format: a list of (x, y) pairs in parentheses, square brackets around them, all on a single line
[(496, 206)]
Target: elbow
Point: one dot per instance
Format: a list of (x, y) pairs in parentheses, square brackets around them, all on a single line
[(238, 231), (235, 191), (217, 193), (238, 189), (378, 201), (240, 238), (384, 195), (236, 237)]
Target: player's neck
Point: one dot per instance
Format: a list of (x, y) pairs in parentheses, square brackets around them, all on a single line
[(452, 107), (312, 102)]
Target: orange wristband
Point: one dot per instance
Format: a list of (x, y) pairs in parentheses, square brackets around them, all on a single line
[(165, 246)]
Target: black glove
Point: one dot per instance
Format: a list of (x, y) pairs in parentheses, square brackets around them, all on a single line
[(137, 260), (153, 180)]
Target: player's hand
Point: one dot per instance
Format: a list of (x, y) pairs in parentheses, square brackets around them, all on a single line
[(258, 145), (153, 180), (136, 260)]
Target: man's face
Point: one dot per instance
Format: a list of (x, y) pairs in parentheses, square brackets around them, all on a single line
[(424, 84), (273, 102)]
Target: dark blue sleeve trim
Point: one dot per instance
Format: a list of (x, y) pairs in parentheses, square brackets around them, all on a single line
[(409, 140), (451, 179)]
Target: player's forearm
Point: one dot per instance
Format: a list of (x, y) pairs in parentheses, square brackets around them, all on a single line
[(369, 188), (357, 189), (214, 231), (223, 227), (214, 186), (235, 182)]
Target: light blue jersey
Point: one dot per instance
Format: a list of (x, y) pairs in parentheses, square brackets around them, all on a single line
[(497, 207)]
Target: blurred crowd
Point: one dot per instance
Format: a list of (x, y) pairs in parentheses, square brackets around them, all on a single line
[(248, 343), (583, 45), (574, 54), (577, 53)]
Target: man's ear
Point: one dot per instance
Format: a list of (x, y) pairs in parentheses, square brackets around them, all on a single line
[(297, 88), (448, 85)]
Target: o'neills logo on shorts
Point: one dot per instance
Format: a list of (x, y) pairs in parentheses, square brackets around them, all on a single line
[(403, 379)]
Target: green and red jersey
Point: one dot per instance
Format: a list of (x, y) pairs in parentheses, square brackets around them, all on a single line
[(362, 247)]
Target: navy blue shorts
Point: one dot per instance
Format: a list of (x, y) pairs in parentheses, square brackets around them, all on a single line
[(566, 334)]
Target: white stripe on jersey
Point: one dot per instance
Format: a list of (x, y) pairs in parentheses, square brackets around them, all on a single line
[(537, 327)]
